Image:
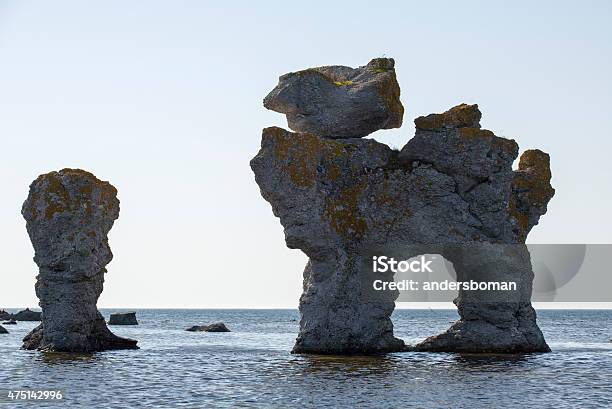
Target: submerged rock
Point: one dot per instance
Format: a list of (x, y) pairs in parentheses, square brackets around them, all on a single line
[(450, 191), (11, 322), (338, 101), (28, 315), (68, 216), (123, 318), (215, 327), (3, 330)]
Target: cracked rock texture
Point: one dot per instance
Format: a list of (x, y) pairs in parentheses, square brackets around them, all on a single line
[(338, 101), (450, 191), (68, 216)]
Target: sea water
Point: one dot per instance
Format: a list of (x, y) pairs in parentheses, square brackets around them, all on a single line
[(252, 366)]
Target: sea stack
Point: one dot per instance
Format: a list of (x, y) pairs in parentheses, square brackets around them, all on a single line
[(451, 190), (68, 216)]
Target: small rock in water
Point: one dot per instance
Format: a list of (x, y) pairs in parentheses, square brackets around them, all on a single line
[(3, 330), (4, 315), (27, 315), (123, 318), (215, 327), (11, 322)]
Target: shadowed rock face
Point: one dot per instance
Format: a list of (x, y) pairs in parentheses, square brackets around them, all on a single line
[(340, 102), (450, 191), (68, 216)]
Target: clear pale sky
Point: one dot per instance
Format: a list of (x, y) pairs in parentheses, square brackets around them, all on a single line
[(164, 100)]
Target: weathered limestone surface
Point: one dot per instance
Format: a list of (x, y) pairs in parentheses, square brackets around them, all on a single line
[(450, 191), (338, 101), (68, 216)]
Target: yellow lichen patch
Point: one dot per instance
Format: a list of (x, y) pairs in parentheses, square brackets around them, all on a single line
[(300, 153), (389, 91), (56, 196), (537, 161), (343, 214), (58, 199), (536, 178), (472, 134), (315, 72), (531, 186), (333, 172), (343, 83), (461, 116)]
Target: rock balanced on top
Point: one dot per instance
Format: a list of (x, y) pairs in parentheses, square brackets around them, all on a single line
[(451, 190), (340, 102), (68, 216)]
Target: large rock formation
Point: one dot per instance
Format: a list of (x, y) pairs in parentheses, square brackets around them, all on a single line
[(69, 214), (451, 191), (338, 101)]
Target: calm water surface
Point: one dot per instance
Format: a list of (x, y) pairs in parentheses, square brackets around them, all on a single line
[(252, 366)]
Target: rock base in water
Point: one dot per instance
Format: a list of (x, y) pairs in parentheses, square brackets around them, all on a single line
[(100, 339), (3, 330), (483, 337)]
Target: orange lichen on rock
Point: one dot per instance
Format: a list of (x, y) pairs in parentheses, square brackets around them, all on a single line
[(471, 134), (531, 188), (343, 213), (461, 116), (299, 154), (58, 199)]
